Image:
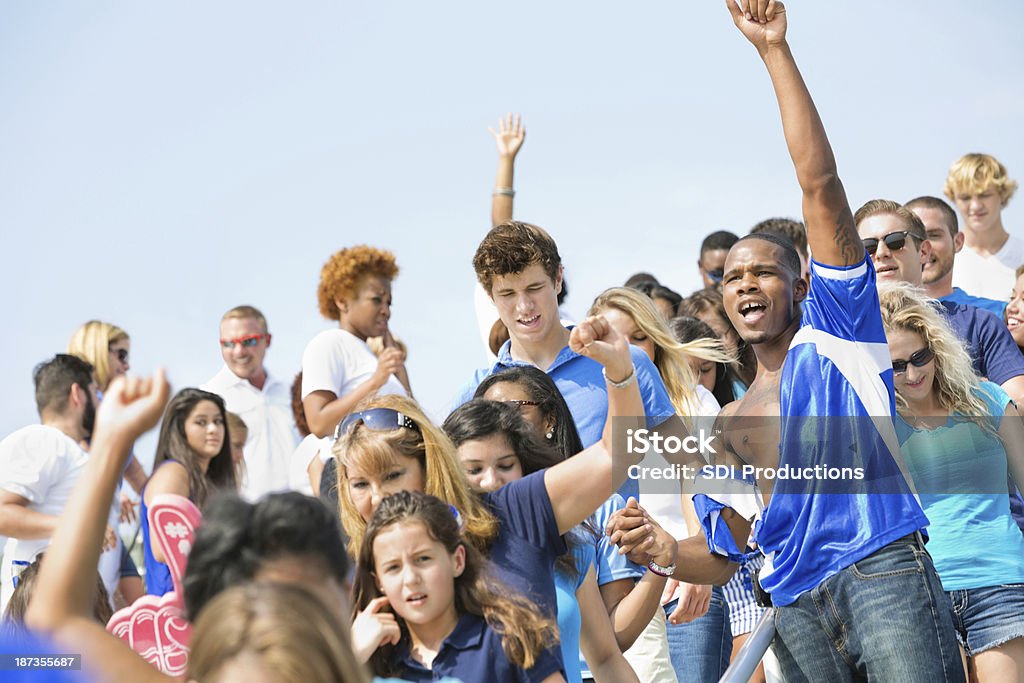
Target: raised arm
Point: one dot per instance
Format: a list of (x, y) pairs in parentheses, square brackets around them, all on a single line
[(579, 485), (509, 137), (831, 233), (61, 605)]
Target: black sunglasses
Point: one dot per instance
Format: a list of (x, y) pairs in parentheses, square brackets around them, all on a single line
[(894, 241), (377, 419), (918, 359)]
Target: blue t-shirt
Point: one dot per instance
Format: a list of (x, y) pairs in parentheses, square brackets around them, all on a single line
[(473, 652), (959, 470), (959, 296), (837, 365), (993, 352), (528, 543), (569, 620), (582, 385)]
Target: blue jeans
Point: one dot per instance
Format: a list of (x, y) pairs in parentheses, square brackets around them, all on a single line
[(701, 649), (988, 617), (884, 618)]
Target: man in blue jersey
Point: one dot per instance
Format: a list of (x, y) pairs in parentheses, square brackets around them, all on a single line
[(856, 594)]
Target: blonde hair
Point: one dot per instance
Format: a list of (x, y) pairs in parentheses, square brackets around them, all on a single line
[(976, 173), (375, 451), (243, 312), (907, 308), (294, 636), (671, 357), (91, 342), (236, 428), (376, 345)]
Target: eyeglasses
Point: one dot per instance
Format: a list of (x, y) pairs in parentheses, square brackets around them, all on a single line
[(894, 241), (521, 403), (377, 419), (715, 275), (918, 359), (122, 354), (247, 342)]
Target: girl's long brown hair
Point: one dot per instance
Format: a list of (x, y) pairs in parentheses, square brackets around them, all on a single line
[(525, 632)]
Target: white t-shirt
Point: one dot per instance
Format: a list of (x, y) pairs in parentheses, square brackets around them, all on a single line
[(311, 447), (989, 276), (42, 464), (338, 361), (666, 508), (272, 436)]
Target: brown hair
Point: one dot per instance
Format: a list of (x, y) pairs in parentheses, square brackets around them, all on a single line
[(511, 247), (525, 632), (296, 638), (927, 202), (341, 275), (14, 615), (887, 207), (298, 411), (443, 477)]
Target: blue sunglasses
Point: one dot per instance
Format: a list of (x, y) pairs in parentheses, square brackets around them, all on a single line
[(377, 419)]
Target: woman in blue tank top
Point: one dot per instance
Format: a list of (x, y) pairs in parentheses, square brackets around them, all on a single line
[(959, 436)]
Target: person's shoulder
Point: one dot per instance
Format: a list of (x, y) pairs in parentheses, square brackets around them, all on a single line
[(170, 476), (1014, 248), (993, 394), (224, 379), (326, 339), (41, 441)]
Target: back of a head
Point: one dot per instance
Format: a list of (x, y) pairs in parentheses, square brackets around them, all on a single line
[(687, 328), (298, 411), (511, 248), (53, 380), (707, 299), (793, 230), (640, 278), (237, 538), (720, 239), (977, 173), (280, 630)]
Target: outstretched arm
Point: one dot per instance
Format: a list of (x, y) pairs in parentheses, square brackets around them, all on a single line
[(61, 605), (831, 233), (509, 137)]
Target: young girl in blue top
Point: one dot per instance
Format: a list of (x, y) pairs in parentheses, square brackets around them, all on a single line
[(452, 619), (959, 436)]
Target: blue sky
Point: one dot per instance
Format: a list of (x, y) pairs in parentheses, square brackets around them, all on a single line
[(162, 162)]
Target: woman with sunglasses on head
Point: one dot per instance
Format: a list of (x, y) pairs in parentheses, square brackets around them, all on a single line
[(338, 367), (960, 435), (193, 458), (390, 446)]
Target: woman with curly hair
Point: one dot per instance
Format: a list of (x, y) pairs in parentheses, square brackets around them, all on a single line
[(338, 367), (960, 435)]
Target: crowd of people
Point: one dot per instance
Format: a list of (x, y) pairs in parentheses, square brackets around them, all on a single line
[(347, 537)]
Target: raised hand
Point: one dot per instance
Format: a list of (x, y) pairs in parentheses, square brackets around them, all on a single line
[(510, 135), (373, 628), (596, 338), (131, 406), (763, 22), (390, 361)]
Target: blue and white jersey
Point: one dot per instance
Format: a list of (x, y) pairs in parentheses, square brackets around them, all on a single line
[(837, 366)]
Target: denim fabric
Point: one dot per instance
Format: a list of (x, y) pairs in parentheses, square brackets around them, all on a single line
[(701, 649), (988, 617), (884, 618)]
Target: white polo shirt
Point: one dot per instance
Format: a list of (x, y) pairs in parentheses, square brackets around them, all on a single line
[(272, 438)]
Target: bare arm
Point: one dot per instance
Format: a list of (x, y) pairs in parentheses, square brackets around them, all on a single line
[(135, 475), (17, 521), (1011, 432), (172, 477), (831, 233), (509, 137), (1015, 388), (579, 485), (324, 409), (597, 639), (61, 605)]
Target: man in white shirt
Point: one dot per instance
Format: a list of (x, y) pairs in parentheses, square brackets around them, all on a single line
[(263, 402), (39, 466), (981, 188)]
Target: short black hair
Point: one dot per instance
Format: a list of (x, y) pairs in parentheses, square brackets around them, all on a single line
[(790, 259), (54, 378), (928, 202), (720, 239), (237, 537), (480, 419)]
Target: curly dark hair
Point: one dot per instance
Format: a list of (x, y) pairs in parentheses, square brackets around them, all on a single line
[(340, 276), (511, 248)]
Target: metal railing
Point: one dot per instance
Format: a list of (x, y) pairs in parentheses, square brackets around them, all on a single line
[(749, 656)]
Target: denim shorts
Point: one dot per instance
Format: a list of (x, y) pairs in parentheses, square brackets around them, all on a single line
[(988, 617)]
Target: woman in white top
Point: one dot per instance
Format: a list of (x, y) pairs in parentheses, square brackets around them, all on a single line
[(338, 368)]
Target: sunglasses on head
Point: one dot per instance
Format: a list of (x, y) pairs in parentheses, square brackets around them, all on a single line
[(521, 402), (248, 341), (894, 241), (377, 419), (918, 359)]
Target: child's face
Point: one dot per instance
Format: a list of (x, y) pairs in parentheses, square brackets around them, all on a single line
[(417, 573), (367, 489), (489, 463)]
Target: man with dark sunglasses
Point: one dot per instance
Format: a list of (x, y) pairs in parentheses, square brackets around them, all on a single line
[(262, 401), (713, 251)]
